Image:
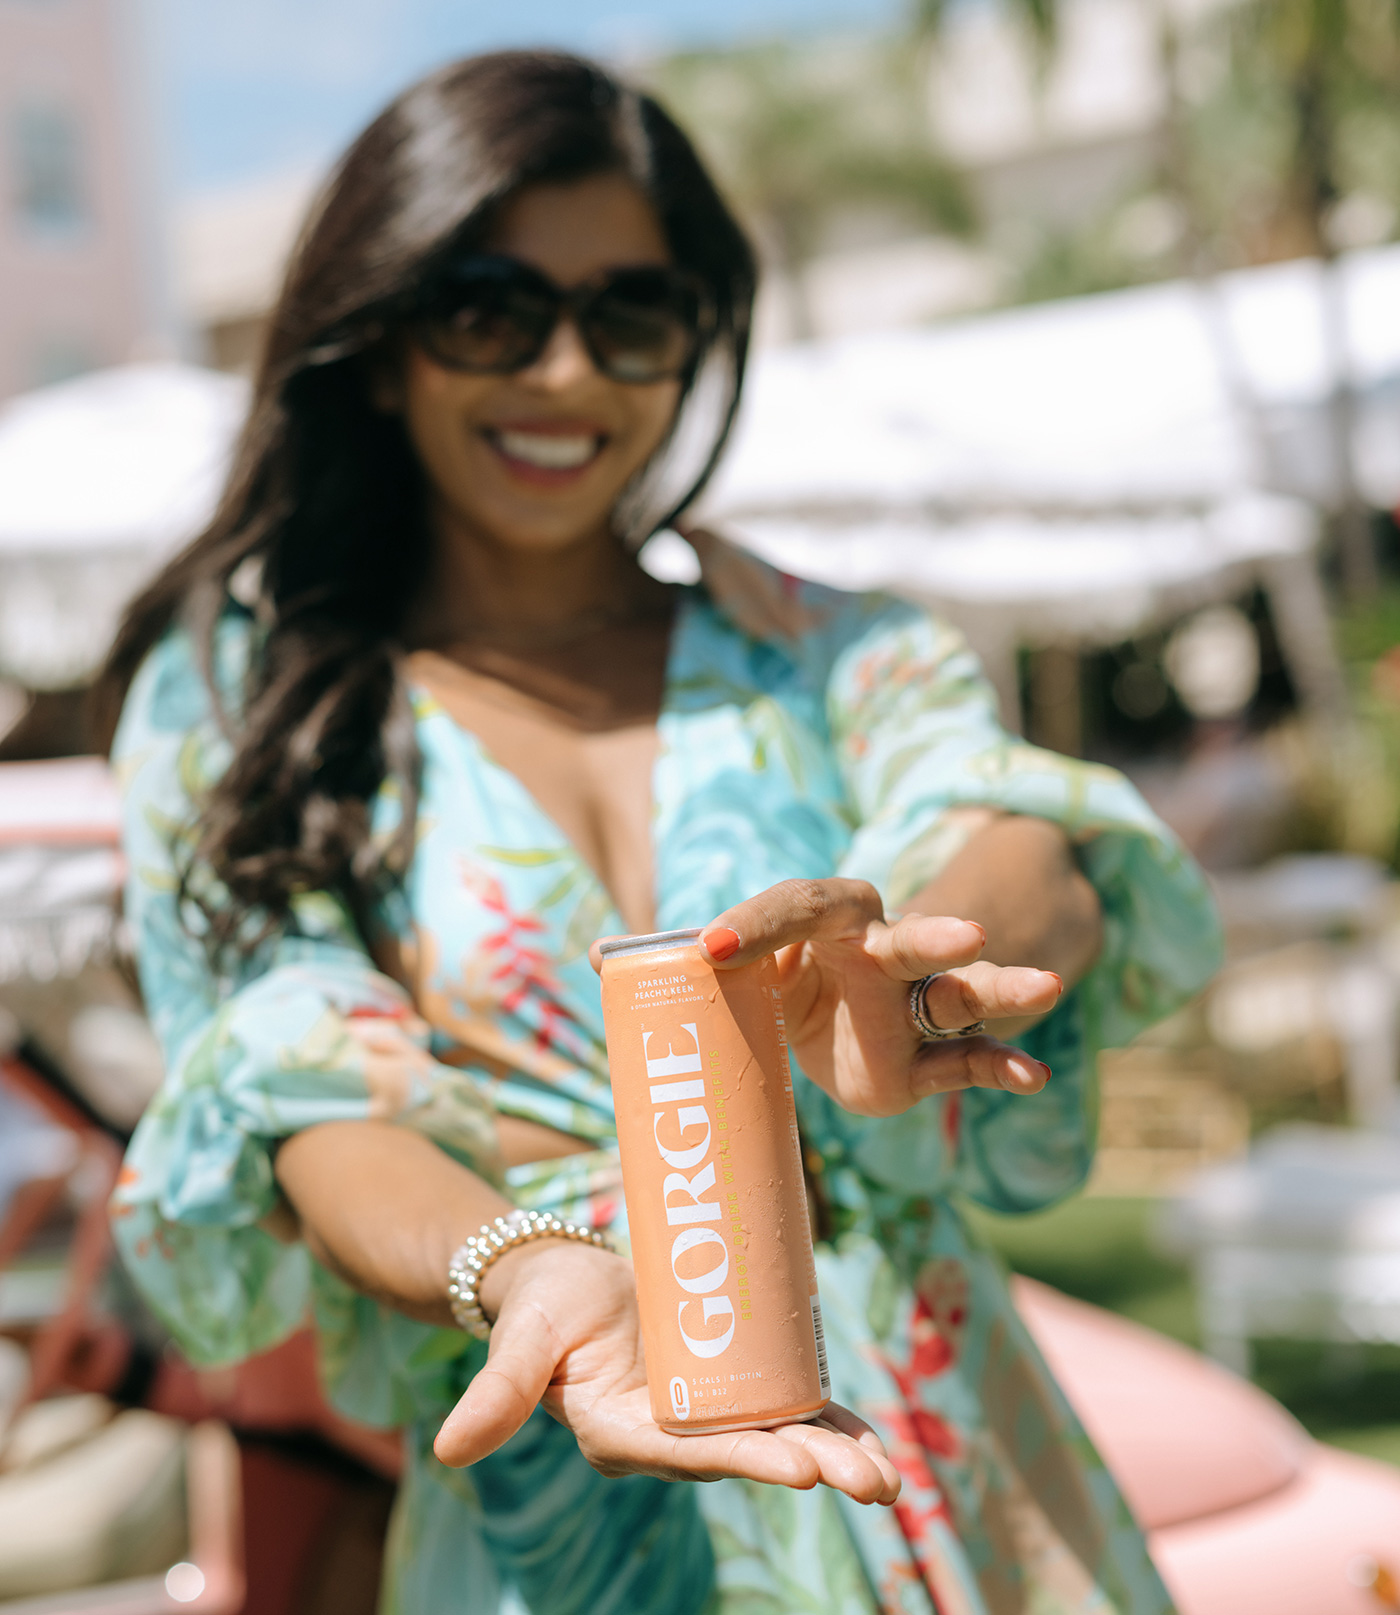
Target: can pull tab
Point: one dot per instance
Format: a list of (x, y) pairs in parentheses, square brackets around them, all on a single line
[(680, 1397)]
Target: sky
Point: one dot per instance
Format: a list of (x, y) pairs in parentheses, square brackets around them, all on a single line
[(254, 87)]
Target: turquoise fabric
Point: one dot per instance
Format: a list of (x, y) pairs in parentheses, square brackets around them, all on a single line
[(840, 752)]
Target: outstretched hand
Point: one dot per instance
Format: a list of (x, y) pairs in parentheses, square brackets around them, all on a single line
[(566, 1335), (846, 975)]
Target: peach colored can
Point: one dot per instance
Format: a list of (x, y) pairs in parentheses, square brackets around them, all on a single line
[(712, 1172)]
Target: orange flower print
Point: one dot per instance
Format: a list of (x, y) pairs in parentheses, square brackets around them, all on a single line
[(396, 1068), (940, 1311), (952, 1122), (515, 960)]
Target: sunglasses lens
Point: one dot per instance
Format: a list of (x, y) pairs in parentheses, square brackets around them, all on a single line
[(643, 325), (488, 319)]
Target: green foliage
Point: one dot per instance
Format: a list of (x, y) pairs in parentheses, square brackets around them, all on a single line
[(1078, 262), (926, 18), (1368, 629), (1279, 111), (1294, 106), (799, 134)]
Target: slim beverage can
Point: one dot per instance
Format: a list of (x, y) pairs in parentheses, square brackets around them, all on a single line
[(712, 1174)]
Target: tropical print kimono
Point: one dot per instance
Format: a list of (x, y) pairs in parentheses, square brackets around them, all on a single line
[(843, 751)]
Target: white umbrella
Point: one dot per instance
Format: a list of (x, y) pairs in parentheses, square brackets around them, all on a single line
[(101, 478)]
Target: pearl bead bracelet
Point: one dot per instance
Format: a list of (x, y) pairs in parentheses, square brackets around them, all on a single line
[(470, 1261)]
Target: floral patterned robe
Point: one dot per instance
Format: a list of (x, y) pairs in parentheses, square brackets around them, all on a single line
[(839, 752)]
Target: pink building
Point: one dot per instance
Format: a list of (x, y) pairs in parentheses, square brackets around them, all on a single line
[(77, 282)]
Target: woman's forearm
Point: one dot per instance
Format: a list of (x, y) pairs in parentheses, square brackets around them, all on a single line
[(1017, 877), (385, 1208)]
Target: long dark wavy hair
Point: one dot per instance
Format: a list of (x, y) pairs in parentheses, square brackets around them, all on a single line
[(323, 517)]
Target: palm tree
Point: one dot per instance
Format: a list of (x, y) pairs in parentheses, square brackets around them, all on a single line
[(1300, 78), (1040, 17), (800, 134)]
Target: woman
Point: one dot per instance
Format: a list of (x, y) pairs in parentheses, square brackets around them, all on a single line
[(408, 728)]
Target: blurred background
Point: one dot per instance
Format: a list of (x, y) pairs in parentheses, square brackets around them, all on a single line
[(1080, 323)]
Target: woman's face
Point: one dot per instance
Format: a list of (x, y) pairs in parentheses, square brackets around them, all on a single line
[(536, 460)]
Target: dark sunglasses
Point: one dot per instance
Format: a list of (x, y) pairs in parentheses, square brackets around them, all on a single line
[(496, 315)]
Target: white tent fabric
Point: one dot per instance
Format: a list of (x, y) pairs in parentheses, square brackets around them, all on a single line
[(1127, 400), (1080, 470), (1073, 468), (1049, 579), (61, 866), (100, 479)]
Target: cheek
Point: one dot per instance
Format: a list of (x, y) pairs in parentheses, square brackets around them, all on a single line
[(651, 410), (436, 402)]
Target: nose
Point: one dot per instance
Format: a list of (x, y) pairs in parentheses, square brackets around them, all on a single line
[(565, 362)]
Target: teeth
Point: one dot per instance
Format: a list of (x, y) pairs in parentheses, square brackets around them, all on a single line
[(550, 453)]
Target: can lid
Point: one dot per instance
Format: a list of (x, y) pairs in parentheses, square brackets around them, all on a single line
[(653, 943)]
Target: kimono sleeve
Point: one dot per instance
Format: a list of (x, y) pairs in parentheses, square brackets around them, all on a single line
[(913, 722), (300, 1032)]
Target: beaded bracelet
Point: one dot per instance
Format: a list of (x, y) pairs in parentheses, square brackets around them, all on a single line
[(471, 1260)]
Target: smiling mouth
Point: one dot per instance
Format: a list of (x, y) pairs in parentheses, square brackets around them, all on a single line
[(558, 452)]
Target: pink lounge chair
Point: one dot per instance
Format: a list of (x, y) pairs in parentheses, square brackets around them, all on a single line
[(1244, 1511)]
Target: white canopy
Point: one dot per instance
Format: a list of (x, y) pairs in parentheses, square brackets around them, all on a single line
[(100, 479), (1080, 470), (1076, 468), (1127, 400), (60, 866), (1049, 579)]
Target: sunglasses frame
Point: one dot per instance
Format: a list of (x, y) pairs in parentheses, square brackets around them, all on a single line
[(570, 302)]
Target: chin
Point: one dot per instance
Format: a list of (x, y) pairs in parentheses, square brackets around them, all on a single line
[(545, 538)]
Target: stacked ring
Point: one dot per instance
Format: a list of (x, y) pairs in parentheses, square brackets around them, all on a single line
[(924, 1026)]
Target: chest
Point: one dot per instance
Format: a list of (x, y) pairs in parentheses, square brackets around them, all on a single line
[(593, 784), (532, 842)]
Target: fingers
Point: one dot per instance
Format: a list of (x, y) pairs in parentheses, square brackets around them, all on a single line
[(920, 944), (799, 1456), (744, 1455), (524, 1354), (618, 1435), (851, 1424), (844, 1462), (795, 911), (838, 910), (968, 989), (595, 954), (975, 1062), (988, 992)]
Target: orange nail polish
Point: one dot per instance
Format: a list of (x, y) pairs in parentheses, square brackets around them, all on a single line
[(721, 943)]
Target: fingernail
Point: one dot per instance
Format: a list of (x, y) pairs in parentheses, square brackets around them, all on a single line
[(981, 930), (1027, 1071), (1059, 982), (721, 943)]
